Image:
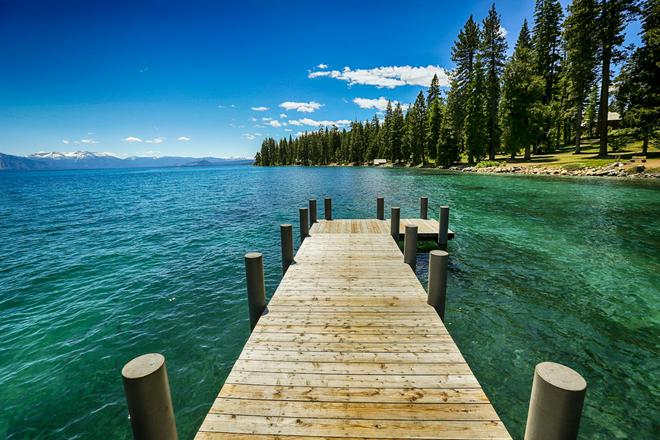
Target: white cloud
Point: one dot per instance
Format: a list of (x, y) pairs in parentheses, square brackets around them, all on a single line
[(253, 119), (388, 76), (283, 115), (503, 31), (315, 123), (287, 129), (303, 107), (251, 136), (88, 141), (221, 106), (183, 138), (260, 109), (158, 140), (275, 123), (132, 139), (266, 119), (322, 66), (65, 141), (378, 104)]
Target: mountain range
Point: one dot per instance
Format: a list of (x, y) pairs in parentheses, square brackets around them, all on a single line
[(87, 160)]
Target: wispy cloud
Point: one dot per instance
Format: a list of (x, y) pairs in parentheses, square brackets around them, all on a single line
[(260, 109), (183, 138), (283, 115), (65, 141), (314, 123), (132, 139), (251, 136), (387, 76), (378, 103), (303, 107), (275, 123), (322, 66), (266, 119), (158, 140), (88, 141)]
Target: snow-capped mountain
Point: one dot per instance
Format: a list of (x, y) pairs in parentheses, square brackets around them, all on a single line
[(55, 160), (79, 155)]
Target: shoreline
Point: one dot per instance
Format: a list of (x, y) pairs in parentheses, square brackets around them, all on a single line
[(614, 170)]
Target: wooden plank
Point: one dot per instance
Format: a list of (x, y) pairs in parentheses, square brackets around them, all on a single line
[(356, 395), (428, 429), (349, 348), (352, 410)]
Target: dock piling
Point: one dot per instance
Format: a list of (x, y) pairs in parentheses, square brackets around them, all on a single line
[(256, 287), (304, 225), (380, 208), (444, 226), (312, 211), (148, 398), (327, 205), (410, 247), (395, 223), (286, 237), (555, 406), (424, 208), (437, 286)]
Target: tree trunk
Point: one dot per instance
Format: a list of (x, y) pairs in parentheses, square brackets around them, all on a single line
[(528, 152), (604, 99), (578, 128), (645, 145)]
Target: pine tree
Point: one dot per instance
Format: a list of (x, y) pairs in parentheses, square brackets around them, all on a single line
[(434, 118), (547, 44), (579, 31), (433, 126), (415, 132), (385, 151), (493, 50), (522, 93), (450, 142), (464, 54), (612, 20), (396, 134), (638, 91), (476, 134)]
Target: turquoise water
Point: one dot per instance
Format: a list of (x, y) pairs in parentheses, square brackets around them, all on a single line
[(97, 267)]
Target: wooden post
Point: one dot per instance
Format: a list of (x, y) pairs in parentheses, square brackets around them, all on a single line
[(304, 226), (256, 286), (555, 406), (286, 237), (424, 208), (444, 226), (395, 223), (437, 287), (410, 247), (380, 208), (148, 397), (312, 212), (327, 204)]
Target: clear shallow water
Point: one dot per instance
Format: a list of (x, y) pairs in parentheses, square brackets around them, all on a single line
[(97, 267)]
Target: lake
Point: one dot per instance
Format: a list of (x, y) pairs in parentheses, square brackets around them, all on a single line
[(100, 266)]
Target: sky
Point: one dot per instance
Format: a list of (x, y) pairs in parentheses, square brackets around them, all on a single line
[(213, 78)]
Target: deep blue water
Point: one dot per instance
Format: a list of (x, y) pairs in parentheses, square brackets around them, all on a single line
[(97, 267)]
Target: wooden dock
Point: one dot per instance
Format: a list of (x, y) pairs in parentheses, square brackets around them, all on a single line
[(348, 348), (426, 229)]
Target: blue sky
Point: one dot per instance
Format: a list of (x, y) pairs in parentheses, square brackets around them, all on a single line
[(213, 78)]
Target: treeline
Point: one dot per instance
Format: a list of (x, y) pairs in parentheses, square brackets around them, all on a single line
[(554, 87)]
